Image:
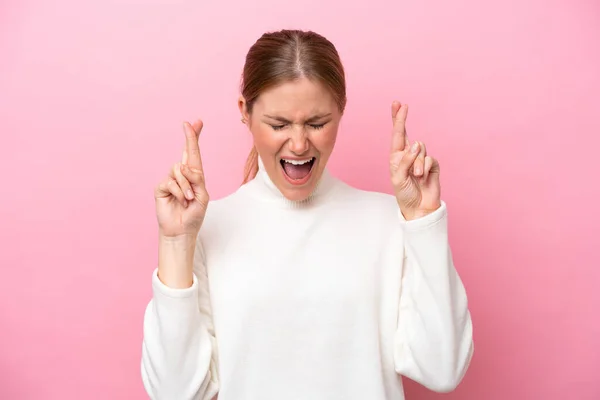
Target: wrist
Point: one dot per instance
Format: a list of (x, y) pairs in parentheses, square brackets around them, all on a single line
[(411, 215), (180, 238), (176, 260)]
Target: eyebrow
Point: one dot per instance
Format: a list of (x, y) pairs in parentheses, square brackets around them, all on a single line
[(311, 119)]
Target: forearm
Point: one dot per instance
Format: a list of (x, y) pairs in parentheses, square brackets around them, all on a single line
[(434, 338), (175, 261), (178, 349)]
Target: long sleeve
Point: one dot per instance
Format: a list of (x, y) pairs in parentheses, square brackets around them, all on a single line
[(179, 355), (434, 339)]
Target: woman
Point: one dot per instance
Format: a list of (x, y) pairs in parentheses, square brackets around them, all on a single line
[(298, 286)]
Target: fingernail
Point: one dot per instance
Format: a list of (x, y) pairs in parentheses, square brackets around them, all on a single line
[(418, 171), (415, 147), (189, 194)]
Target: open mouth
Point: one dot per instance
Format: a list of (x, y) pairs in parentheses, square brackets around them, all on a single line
[(297, 171)]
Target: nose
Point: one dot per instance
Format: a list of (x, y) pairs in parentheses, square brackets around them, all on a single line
[(298, 142)]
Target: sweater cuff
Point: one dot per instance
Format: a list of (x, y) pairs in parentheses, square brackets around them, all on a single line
[(426, 222), (162, 290)]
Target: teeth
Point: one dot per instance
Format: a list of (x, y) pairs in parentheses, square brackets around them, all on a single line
[(298, 162)]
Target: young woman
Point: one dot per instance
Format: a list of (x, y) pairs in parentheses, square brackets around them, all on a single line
[(297, 285)]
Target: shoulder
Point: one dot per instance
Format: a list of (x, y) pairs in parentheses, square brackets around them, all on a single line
[(365, 202), (222, 214), (226, 207)]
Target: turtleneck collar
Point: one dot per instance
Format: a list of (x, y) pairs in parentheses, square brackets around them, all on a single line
[(263, 187)]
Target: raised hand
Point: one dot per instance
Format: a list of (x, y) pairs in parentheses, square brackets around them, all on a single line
[(415, 175), (181, 199)]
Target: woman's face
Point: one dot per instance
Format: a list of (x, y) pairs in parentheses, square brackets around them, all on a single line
[(294, 126)]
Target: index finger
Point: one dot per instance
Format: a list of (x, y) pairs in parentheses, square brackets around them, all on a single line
[(197, 126), (192, 150), (399, 114)]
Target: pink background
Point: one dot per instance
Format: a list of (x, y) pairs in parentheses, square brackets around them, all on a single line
[(92, 97)]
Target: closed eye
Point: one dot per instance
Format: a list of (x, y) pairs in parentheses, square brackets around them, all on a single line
[(314, 126)]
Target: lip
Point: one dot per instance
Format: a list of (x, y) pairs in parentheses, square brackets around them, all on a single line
[(298, 182), (297, 158)]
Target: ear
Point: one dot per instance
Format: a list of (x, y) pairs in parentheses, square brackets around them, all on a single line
[(242, 105)]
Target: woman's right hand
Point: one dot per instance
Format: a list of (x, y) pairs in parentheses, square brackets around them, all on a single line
[(181, 198)]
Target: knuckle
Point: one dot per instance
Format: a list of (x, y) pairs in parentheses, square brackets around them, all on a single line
[(203, 197), (204, 200), (173, 186), (197, 175)]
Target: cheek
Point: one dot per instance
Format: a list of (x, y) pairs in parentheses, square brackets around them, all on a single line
[(266, 140), (324, 140)]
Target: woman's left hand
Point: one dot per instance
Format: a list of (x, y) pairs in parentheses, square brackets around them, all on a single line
[(415, 175)]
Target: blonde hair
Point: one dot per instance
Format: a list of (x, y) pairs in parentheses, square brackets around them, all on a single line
[(284, 56)]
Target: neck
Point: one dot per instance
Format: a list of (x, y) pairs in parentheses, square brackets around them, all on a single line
[(264, 188)]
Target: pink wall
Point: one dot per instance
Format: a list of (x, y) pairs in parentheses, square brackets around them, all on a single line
[(91, 102)]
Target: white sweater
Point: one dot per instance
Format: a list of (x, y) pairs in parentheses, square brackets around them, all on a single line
[(331, 298)]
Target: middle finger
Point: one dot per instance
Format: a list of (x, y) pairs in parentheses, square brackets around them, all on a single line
[(182, 181)]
